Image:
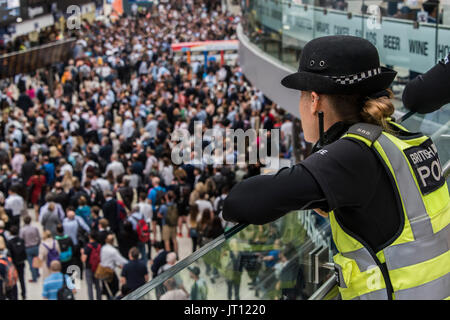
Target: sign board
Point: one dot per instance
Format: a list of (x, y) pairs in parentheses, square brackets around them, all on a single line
[(35, 58), (398, 42)]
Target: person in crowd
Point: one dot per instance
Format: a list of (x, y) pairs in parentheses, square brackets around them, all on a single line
[(90, 255), (193, 225), (103, 231), (32, 238), (204, 228), (16, 204), (173, 291), (54, 282), (139, 223), (75, 227), (17, 251), (111, 212), (128, 238), (111, 258), (199, 289), (171, 260), (155, 196), (36, 184), (48, 251), (204, 205), (160, 258), (168, 213), (8, 274), (50, 218), (84, 211), (66, 246), (134, 273)]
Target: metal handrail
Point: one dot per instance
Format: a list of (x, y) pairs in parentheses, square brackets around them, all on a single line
[(325, 289), (183, 264)]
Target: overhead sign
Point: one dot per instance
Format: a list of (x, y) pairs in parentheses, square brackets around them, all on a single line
[(218, 45), (35, 58), (398, 42)]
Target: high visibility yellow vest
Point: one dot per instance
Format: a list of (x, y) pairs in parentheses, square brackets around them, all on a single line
[(416, 264)]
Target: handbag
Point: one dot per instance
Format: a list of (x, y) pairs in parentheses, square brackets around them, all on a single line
[(37, 263), (104, 273)]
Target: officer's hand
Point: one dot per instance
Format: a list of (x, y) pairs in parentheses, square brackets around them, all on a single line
[(321, 213)]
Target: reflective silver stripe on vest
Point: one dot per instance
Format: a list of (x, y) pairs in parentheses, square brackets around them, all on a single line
[(362, 257), (414, 252), (375, 295), (434, 290), (412, 199)]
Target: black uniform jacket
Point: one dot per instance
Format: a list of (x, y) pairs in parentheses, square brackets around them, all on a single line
[(345, 176)]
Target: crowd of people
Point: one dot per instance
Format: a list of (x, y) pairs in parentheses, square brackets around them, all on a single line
[(86, 176)]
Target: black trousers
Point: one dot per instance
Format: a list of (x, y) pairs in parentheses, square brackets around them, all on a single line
[(21, 271), (15, 221), (233, 285)]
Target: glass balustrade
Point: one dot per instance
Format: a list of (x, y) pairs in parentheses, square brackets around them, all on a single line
[(287, 259)]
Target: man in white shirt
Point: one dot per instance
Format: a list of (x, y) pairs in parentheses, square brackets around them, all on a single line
[(204, 204), (128, 125), (110, 256), (145, 208), (16, 204), (115, 166), (173, 291)]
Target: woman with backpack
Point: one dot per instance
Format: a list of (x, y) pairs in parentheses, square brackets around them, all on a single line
[(48, 251), (8, 274)]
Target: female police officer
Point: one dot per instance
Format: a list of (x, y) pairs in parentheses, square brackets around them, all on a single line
[(381, 185)]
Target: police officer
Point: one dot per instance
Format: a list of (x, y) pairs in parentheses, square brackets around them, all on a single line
[(380, 185)]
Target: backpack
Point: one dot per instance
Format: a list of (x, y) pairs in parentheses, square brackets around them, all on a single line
[(142, 229), (82, 234), (220, 205), (159, 196), (172, 216), (94, 256), (52, 253), (65, 245), (64, 293), (11, 275), (18, 251)]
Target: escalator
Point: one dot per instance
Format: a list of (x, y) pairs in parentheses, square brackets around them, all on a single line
[(288, 259)]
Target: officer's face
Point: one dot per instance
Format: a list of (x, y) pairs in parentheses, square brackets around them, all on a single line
[(310, 128)]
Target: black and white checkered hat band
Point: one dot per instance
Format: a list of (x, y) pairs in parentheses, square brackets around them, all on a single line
[(354, 78)]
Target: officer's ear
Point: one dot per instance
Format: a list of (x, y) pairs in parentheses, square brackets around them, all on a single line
[(315, 99)]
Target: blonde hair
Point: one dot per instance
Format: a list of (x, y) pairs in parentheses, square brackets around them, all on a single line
[(46, 235), (374, 110)]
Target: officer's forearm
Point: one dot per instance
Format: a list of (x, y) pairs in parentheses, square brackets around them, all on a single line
[(262, 199)]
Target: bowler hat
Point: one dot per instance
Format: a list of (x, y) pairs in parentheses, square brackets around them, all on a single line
[(340, 65)]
